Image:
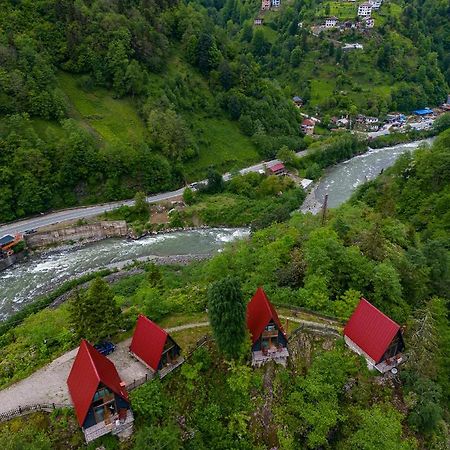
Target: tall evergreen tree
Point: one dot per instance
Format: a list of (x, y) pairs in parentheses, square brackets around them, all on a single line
[(94, 314), (226, 310)]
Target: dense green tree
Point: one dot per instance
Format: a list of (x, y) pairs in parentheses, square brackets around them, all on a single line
[(380, 427), (94, 314), (215, 182), (226, 311), (168, 132)]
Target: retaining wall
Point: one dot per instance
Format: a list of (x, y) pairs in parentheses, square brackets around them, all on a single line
[(86, 233)]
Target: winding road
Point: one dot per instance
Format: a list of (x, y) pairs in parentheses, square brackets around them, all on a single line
[(52, 218)]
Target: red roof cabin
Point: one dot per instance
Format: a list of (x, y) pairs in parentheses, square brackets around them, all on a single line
[(277, 169), (154, 347), (375, 336), (269, 340), (98, 395)]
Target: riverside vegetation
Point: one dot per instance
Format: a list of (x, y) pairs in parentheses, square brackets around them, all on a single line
[(99, 100), (389, 242)]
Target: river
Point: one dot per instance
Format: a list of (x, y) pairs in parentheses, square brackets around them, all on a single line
[(41, 273), (341, 180)]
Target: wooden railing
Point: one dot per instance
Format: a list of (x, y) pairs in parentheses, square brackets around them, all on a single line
[(23, 410), (49, 407)]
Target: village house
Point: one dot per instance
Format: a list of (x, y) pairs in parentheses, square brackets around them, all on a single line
[(308, 126), (330, 22), (376, 4), (277, 169), (355, 46), (375, 336), (258, 21), (367, 123), (98, 395), (365, 9), (265, 4), (276, 3), (298, 101), (269, 340), (395, 118), (423, 112), (154, 347), (369, 22)]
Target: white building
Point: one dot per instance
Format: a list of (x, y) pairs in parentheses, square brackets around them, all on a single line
[(276, 3), (365, 9), (330, 22), (376, 4), (352, 47)]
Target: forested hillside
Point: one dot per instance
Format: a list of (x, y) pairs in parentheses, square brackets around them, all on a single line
[(100, 99), (389, 243)]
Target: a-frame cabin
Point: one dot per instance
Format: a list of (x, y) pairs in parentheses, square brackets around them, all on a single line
[(374, 335), (269, 340), (154, 347), (98, 395)]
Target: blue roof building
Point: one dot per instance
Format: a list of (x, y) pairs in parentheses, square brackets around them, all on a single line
[(423, 112)]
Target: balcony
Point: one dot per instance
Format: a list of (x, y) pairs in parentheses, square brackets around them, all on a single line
[(270, 334), (389, 364), (172, 366), (279, 355), (115, 427)]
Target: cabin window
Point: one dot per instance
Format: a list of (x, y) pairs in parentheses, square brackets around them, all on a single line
[(104, 405)]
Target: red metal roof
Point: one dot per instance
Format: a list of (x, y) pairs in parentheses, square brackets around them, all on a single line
[(308, 122), (371, 330), (277, 167), (89, 369), (148, 341), (259, 313)]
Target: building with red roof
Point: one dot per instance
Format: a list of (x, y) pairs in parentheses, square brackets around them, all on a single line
[(374, 335), (277, 169), (308, 126), (269, 340), (98, 394), (154, 347)]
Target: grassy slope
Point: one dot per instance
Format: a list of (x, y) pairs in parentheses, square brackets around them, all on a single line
[(221, 145), (112, 119), (220, 141)]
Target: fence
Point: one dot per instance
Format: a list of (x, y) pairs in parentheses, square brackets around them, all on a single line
[(309, 311), (49, 407), (140, 381), (22, 411)]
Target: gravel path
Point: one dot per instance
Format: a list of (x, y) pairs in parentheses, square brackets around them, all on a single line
[(48, 385)]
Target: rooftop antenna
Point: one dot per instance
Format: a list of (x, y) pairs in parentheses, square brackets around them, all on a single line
[(324, 209)]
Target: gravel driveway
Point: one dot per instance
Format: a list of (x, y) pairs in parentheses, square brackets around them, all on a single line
[(48, 385)]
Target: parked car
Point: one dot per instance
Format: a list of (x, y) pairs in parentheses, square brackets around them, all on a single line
[(105, 347)]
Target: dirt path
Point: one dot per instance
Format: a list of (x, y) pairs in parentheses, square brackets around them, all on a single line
[(48, 385)]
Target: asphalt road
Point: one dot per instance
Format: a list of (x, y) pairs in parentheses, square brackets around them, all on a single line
[(43, 220)]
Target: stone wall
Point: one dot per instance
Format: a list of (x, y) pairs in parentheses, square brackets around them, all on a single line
[(83, 233), (7, 262)]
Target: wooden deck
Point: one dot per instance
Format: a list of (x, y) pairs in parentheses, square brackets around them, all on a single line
[(115, 427), (280, 356), (167, 369), (389, 364)]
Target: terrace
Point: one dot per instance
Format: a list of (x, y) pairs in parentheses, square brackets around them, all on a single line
[(169, 367), (279, 355), (389, 364), (114, 426)]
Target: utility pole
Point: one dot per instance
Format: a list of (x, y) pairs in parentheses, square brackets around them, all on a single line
[(324, 209)]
